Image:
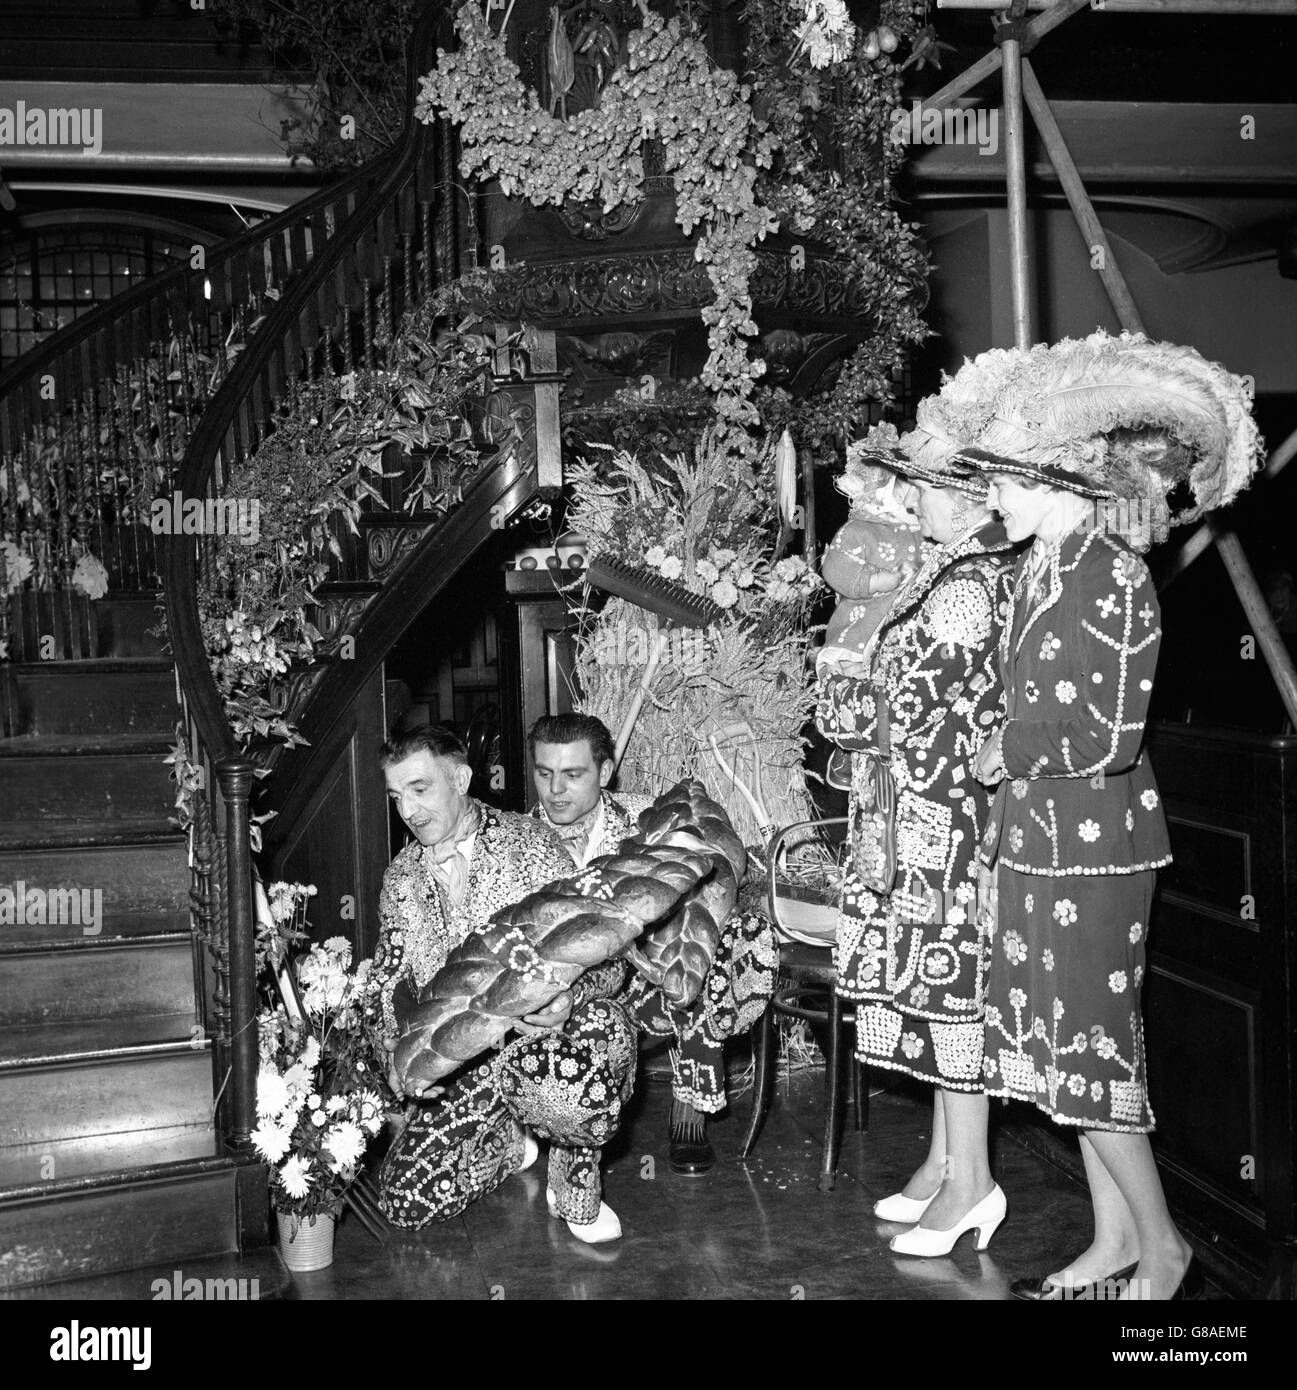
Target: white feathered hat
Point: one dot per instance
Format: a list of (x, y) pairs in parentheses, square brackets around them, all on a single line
[(1108, 416)]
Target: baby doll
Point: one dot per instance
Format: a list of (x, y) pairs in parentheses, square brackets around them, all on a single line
[(874, 553)]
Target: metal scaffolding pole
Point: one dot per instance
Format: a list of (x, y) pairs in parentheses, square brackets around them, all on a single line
[(1114, 282), (1018, 77), (1015, 167)]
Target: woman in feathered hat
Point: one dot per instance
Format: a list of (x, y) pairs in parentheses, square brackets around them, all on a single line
[(1083, 449), (910, 948)]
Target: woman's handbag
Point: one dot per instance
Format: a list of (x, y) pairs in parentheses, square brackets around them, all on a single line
[(873, 815)]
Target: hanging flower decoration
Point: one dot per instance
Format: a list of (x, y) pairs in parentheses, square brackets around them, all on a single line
[(668, 89), (827, 34)]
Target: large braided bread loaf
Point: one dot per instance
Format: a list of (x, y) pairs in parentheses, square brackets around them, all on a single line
[(533, 950), (677, 955)]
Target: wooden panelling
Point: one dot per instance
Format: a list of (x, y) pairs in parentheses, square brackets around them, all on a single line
[(1203, 1080), (1212, 865)]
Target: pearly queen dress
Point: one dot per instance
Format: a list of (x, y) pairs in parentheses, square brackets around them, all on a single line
[(1078, 832), (915, 959)]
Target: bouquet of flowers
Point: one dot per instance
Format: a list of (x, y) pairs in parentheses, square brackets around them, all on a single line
[(319, 1093)]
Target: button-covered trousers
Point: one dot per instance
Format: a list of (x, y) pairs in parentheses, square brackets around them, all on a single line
[(735, 993), (568, 1085)]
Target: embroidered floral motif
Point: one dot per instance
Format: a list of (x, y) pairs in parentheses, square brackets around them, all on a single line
[(1049, 647), (1148, 799), (1032, 691), (1065, 692), (1029, 902), (1015, 838), (1088, 830), (1015, 948), (1117, 981), (1107, 606), (1047, 959), (1018, 787), (1065, 912), (911, 1045), (1136, 931)]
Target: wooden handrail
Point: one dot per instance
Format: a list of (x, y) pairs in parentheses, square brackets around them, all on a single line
[(277, 344)]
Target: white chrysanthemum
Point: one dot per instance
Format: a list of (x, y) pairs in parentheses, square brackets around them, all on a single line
[(271, 1141), (299, 1082), (273, 1094), (724, 594), (654, 556), (708, 572), (310, 1052), (345, 1144), (340, 948), (90, 577), (295, 1177)]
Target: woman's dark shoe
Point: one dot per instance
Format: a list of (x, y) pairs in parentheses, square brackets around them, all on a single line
[(1038, 1289), (1193, 1283)]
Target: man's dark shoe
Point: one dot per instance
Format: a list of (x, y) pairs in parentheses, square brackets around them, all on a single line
[(691, 1151)]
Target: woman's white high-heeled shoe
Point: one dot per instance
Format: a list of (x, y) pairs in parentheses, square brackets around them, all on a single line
[(899, 1207), (605, 1226), (984, 1218)]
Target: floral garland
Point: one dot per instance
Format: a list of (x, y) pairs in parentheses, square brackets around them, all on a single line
[(313, 473), (667, 89), (847, 200)]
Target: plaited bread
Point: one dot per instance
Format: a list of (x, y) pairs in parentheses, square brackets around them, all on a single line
[(533, 950), (677, 955)]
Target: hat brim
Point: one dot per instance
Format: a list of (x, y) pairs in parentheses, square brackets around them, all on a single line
[(987, 463), (900, 462)]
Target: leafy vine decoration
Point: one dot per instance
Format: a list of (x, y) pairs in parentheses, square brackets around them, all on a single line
[(669, 90)]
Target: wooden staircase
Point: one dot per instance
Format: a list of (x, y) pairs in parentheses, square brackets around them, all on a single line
[(127, 1029), (110, 1157)]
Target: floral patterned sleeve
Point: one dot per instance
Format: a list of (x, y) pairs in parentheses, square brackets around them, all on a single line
[(604, 981), (389, 967), (1093, 714), (844, 713)]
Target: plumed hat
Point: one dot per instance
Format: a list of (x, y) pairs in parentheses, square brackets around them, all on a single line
[(1118, 417), (883, 446)]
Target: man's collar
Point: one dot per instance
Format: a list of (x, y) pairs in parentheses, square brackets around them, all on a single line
[(583, 828)]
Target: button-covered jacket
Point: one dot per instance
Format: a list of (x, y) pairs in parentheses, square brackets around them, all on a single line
[(513, 855), (1078, 659)]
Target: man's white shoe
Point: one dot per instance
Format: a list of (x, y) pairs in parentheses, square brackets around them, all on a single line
[(605, 1226), (530, 1149)]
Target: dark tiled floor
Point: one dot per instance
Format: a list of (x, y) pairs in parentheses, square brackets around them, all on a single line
[(759, 1229)]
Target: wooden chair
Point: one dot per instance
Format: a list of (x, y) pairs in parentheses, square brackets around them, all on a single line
[(808, 990)]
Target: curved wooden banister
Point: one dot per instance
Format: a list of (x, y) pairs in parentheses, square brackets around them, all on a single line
[(337, 282), (94, 419), (395, 243)]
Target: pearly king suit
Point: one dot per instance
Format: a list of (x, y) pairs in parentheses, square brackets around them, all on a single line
[(567, 1084)]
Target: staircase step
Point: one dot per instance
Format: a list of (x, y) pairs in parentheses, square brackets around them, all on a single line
[(86, 1228), (28, 1165), (58, 1041), (123, 621), (254, 1275), (141, 874), (58, 782), (86, 835), (136, 695), (106, 1092)]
